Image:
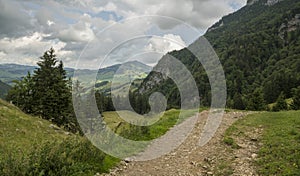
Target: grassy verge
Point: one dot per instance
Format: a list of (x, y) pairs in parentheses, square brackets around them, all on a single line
[(280, 152), (167, 121), (32, 146)]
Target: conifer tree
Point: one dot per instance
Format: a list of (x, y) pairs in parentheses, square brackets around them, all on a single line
[(52, 94)]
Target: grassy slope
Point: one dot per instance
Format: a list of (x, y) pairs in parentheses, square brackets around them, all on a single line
[(18, 130), (168, 120), (22, 136), (280, 153)]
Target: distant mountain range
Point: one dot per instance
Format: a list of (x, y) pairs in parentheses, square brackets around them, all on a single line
[(122, 74), (11, 72)]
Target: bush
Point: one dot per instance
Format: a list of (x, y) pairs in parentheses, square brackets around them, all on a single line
[(296, 99), (280, 103)]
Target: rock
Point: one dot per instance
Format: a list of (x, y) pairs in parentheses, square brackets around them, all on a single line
[(210, 173), (54, 127), (254, 155)]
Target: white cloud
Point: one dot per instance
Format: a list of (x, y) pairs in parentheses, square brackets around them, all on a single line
[(27, 49), (166, 43), (28, 28), (50, 23), (200, 14), (80, 32)]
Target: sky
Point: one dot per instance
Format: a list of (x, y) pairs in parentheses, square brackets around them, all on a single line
[(98, 33)]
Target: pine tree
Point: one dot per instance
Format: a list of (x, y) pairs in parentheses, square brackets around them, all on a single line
[(52, 93)]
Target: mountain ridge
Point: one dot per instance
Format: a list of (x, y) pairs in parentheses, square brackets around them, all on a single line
[(258, 47), (11, 72)]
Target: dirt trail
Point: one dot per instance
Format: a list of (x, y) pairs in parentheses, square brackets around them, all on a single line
[(215, 158)]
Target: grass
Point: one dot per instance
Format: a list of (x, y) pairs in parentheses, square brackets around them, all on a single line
[(30, 146), (224, 168), (167, 121), (280, 153)]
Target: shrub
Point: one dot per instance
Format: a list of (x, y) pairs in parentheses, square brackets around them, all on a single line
[(280, 103), (70, 157)]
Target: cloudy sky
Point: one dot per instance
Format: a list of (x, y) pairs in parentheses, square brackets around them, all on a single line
[(89, 33)]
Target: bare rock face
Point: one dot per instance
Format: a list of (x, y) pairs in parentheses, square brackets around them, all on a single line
[(251, 2), (272, 2), (289, 26)]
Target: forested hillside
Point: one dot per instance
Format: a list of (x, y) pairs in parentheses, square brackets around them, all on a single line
[(259, 48)]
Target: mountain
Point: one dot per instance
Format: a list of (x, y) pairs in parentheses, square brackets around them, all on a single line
[(138, 69), (4, 88), (259, 48), (11, 72), (118, 77)]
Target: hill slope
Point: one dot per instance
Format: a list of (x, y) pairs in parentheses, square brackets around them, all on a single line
[(33, 146), (20, 130), (259, 48)]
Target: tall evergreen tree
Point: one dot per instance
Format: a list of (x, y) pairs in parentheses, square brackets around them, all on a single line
[(51, 91)]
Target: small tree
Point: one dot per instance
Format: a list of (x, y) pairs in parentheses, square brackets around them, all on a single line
[(256, 101), (21, 94), (280, 103), (296, 99), (238, 102)]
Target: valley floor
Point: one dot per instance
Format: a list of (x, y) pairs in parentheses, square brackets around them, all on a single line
[(218, 157)]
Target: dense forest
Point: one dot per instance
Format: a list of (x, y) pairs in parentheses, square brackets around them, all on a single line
[(259, 48)]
